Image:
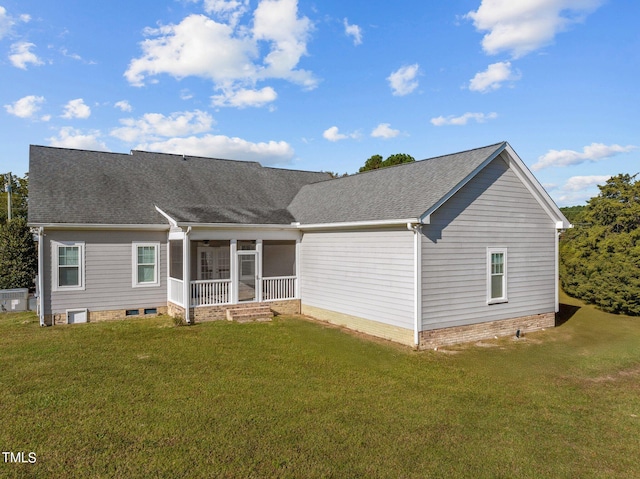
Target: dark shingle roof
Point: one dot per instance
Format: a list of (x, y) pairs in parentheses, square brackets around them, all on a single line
[(399, 192), (90, 187)]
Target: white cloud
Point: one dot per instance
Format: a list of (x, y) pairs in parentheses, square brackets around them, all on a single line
[(384, 130), (227, 10), (186, 50), (463, 119), (578, 189), (523, 26), (233, 56), (7, 21), (123, 105), (493, 77), (74, 56), (403, 81), (155, 126), (333, 134), (242, 98), (220, 146), (353, 31), (590, 153), (72, 138), (578, 183), (76, 109), (277, 22), (21, 55), (26, 107)]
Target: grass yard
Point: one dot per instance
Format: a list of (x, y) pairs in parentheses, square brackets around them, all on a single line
[(292, 398)]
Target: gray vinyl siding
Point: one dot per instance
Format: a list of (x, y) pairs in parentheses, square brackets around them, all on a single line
[(368, 274), (108, 272), (493, 210)]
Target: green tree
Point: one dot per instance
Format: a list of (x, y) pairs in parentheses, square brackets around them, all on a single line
[(19, 188), (574, 213), (398, 159), (600, 257), (18, 255), (376, 162), (373, 163)]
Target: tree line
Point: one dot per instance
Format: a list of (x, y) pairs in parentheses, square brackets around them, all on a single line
[(376, 162), (18, 253), (600, 255)]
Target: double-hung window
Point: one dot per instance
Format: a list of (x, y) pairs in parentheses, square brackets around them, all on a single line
[(68, 266), (146, 262), (496, 275)]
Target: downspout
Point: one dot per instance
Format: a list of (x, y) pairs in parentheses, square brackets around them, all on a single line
[(557, 272), (40, 276), (186, 269), (417, 282)]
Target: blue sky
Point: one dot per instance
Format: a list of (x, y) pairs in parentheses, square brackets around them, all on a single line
[(323, 85)]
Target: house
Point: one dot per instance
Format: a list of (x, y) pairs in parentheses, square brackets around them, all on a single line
[(453, 248)]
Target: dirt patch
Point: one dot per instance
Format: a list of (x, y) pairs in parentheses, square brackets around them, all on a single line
[(625, 373)]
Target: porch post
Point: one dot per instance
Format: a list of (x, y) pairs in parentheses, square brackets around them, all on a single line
[(298, 267), (259, 270), (40, 285), (233, 271), (186, 274)]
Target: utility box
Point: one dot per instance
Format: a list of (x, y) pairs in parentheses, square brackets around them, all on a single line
[(12, 300)]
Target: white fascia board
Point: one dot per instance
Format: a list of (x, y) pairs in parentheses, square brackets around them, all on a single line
[(238, 226), (97, 226), (426, 216), (536, 189), (359, 224)]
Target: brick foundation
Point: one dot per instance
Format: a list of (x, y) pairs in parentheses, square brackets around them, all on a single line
[(110, 315), (217, 313), (476, 332)]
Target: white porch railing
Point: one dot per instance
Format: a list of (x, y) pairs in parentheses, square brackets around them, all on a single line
[(278, 287), (176, 293), (210, 292)]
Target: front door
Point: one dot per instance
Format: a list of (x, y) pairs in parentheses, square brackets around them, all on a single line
[(247, 275), (207, 263)]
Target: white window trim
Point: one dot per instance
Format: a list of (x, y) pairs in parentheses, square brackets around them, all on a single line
[(56, 267), (134, 265), (504, 298)]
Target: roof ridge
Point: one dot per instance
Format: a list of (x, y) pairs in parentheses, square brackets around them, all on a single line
[(195, 157), (292, 169), (387, 168), (78, 149)]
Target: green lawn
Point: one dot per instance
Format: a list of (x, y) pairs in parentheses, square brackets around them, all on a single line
[(293, 398)]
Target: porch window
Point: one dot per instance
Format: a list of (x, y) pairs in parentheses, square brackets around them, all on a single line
[(278, 270), (279, 258), (68, 268), (146, 259), (213, 260), (496, 275), (175, 258)]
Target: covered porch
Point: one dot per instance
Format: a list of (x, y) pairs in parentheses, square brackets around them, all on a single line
[(213, 268)]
